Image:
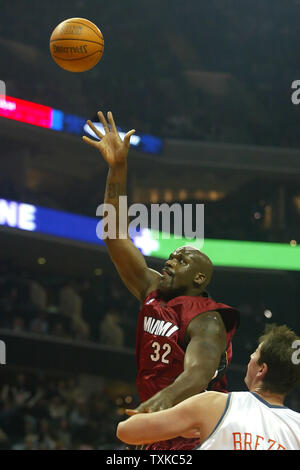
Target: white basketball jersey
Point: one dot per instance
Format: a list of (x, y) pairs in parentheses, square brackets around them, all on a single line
[(250, 423)]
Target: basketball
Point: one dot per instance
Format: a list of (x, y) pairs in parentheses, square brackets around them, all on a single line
[(76, 45)]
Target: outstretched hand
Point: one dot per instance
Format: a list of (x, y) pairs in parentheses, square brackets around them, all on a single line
[(111, 146)]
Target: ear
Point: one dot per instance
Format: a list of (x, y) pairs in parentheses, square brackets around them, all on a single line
[(263, 369), (199, 279)]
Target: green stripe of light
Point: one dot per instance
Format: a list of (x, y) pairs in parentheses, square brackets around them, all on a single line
[(230, 253)]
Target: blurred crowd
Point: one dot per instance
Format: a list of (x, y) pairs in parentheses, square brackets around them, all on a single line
[(67, 308), (46, 412)]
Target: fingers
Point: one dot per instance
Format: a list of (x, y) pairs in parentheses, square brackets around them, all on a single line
[(103, 122), (96, 131), (106, 129), (111, 121), (114, 128), (135, 412), (90, 141), (127, 137), (131, 412)]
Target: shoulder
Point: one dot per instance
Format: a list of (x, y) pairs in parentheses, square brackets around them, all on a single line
[(207, 322), (229, 314), (206, 327), (206, 402), (192, 306)]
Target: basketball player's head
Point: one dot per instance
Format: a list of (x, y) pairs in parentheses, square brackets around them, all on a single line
[(273, 366), (188, 271)]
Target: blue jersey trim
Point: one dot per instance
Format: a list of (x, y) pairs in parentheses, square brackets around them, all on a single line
[(218, 423), (266, 403)]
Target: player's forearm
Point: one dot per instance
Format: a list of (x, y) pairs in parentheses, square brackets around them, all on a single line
[(128, 260), (202, 356), (145, 428), (138, 430), (190, 382), (116, 183)]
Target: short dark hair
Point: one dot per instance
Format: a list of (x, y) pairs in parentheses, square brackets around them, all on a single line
[(276, 351)]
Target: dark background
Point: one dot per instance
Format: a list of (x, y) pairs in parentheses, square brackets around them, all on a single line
[(213, 80)]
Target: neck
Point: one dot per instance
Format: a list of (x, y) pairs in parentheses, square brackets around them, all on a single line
[(171, 295), (194, 292), (271, 398)]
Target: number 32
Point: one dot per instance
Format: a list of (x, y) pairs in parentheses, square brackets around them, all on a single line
[(158, 354)]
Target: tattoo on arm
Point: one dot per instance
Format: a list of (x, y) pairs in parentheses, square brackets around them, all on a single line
[(115, 189)]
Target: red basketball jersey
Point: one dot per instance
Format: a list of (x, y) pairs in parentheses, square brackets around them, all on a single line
[(160, 339)]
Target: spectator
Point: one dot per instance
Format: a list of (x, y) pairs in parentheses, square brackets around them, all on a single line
[(18, 324), (78, 416), (30, 443), (57, 408), (4, 441), (70, 304), (37, 295), (64, 434), (59, 329), (46, 439), (39, 324), (111, 332)]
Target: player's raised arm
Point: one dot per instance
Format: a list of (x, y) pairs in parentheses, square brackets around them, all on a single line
[(129, 261)]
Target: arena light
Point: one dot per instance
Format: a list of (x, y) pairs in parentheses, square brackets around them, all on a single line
[(48, 221), (17, 215), (30, 113), (237, 254), (227, 253), (50, 118), (268, 313)]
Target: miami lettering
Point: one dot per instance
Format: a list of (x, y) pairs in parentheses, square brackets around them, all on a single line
[(159, 327)]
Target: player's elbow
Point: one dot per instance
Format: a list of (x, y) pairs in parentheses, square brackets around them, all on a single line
[(123, 434), (120, 432)]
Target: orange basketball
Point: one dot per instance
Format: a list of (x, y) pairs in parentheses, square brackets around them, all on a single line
[(76, 45)]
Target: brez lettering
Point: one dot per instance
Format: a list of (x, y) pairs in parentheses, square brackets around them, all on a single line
[(248, 441)]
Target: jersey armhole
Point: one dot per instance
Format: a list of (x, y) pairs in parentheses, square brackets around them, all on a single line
[(220, 421)]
